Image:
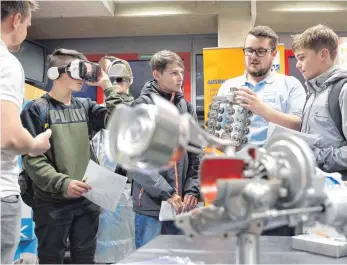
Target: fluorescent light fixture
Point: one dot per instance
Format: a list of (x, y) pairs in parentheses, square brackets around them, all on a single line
[(151, 13), (309, 9)]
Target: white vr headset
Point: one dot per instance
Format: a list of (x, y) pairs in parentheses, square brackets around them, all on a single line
[(78, 70)]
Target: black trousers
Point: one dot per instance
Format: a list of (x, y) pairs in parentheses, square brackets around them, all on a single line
[(55, 222)]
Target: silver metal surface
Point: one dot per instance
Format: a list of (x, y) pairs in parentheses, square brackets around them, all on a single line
[(247, 249), (335, 213), (144, 137), (228, 120), (222, 250), (277, 183), (327, 247), (296, 168)]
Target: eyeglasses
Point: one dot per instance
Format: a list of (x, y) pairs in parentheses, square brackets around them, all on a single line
[(119, 79), (259, 52)]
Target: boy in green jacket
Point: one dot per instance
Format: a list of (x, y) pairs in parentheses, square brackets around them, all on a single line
[(59, 209)]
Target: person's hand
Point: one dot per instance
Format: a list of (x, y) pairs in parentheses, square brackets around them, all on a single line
[(76, 188), (103, 81), (41, 143), (190, 202), (176, 202), (250, 101)]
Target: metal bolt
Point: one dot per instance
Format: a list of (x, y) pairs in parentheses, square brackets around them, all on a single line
[(284, 172), (283, 192), (310, 192), (304, 218)]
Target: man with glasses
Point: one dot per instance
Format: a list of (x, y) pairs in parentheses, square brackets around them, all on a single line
[(271, 97)]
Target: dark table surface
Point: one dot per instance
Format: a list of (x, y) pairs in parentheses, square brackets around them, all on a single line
[(210, 250)]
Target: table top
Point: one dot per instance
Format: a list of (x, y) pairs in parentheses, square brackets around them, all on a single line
[(212, 250)]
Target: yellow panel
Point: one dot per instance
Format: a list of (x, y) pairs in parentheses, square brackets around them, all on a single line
[(221, 64), (32, 92)]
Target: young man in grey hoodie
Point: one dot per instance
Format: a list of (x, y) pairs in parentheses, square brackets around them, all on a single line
[(316, 52)]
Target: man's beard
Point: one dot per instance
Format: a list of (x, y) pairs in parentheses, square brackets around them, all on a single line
[(261, 72)]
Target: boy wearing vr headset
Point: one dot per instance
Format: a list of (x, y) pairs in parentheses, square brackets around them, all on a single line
[(60, 210)]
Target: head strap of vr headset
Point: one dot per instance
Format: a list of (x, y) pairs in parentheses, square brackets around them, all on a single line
[(56, 71)]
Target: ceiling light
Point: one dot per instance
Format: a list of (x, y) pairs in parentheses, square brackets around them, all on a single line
[(151, 13), (309, 9)]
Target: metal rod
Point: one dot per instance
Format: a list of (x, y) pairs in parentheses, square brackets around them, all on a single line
[(278, 213), (247, 251)]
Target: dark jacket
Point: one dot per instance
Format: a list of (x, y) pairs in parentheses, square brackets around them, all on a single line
[(149, 191)]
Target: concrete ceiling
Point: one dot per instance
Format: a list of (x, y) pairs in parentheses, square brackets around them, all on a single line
[(102, 18)]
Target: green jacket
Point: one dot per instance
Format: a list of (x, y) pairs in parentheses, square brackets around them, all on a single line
[(70, 153)]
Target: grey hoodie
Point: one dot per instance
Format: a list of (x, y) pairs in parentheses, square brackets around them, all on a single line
[(330, 148)]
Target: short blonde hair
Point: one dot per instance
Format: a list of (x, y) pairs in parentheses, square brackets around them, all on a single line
[(317, 38)]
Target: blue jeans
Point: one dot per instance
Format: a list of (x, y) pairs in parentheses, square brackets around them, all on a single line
[(149, 227)]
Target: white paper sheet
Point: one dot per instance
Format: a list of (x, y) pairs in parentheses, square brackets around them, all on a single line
[(274, 129), (168, 213), (107, 187)]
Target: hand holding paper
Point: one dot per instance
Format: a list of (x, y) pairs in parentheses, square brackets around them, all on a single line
[(77, 188), (106, 186), (168, 213)]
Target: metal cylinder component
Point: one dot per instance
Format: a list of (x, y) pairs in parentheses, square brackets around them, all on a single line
[(145, 138), (247, 251)]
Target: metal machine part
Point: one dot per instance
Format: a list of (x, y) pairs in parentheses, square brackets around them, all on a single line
[(228, 120), (277, 182), (148, 137)]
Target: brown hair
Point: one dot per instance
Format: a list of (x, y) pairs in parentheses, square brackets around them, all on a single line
[(9, 8), (161, 59), (265, 32), (317, 38), (62, 57)]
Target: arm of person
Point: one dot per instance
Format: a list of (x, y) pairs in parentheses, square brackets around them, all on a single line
[(114, 96), (98, 114), (154, 184), (333, 159), (290, 121), (191, 189), (296, 101), (157, 187), (14, 137)]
